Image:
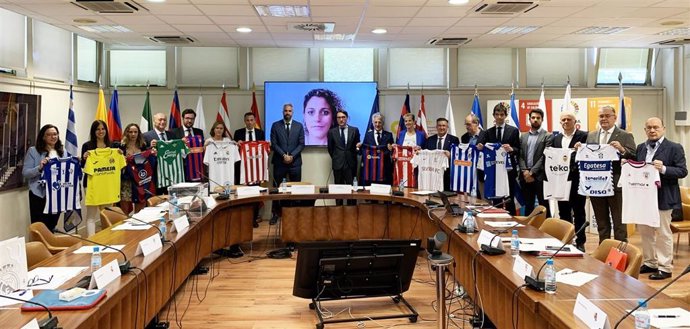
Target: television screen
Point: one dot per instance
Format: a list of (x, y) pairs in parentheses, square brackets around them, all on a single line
[(315, 105)]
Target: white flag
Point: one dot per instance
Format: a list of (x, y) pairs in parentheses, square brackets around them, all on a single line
[(200, 120), (542, 106), (567, 106), (451, 120)]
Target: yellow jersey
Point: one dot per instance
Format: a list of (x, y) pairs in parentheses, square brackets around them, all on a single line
[(104, 169)]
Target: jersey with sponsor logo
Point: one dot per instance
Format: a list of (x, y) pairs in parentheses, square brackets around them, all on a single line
[(495, 165), (170, 162), (62, 178), (220, 158), (596, 171), (640, 183), (463, 168), (193, 166), (557, 168), (373, 163), (141, 170), (403, 170), (254, 167), (104, 170), (430, 166)]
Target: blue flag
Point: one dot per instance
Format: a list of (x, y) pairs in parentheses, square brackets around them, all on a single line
[(477, 111), (374, 109), (70, 222), (514, 111), (404, 110)]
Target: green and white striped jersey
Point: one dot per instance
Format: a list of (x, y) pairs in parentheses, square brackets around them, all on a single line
[(170, 163)]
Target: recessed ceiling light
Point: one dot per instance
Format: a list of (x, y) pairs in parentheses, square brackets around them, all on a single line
[(155, 0), (333, 37), (379, 31), (458, 2), (282, 11), (243, 29), (513, 29), (104, 28), (677, 31), (84, 21), (601, 30)]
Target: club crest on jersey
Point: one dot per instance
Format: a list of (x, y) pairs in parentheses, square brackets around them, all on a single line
[(111, 160), (565, 158), (142, 174), (369, 157), (646, 175)]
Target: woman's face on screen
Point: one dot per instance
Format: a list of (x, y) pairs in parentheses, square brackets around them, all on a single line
[(318, 117)]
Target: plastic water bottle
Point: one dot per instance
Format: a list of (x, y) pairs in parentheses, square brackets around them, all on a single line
[(355, 184), (550, 277), (173, 209), (162, 227), (401, 185), (95, 259), (642, 316), (283, 186), (515, 244), (470, 223)]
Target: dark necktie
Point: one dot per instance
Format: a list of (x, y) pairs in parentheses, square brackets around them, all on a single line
[(652, 144), (378, 137), (439, 145), (342, 135), (162, 136), (287, 128), (499, 134), (189, 132), (251, 135)]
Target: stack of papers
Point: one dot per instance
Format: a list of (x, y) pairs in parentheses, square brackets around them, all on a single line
[(149, 214), (548, 246), (131, 226), (503, 224), (486, 214)]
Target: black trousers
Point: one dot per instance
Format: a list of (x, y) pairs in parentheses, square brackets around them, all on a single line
[(532, 192), (36, 206), (573, 211), (344, 175)]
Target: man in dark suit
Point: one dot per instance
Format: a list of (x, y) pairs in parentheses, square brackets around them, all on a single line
[(442, 141), (624, 142), (532, 174), (160, 121), (472, 137), (669, 159), (509, 137), (572, 210), (287, 143), (380, 137), (188, 117), (342, 146)]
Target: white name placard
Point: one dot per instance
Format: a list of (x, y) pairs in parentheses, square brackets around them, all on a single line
[(180, 224), (339, 189), (149, 245), (244, 191), (381, 189), (302, 189), (105, 275)]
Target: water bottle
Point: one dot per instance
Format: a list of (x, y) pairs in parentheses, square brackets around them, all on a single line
[(283, 186), (642, 316), (95, 259), (162, 227), (401, 185), (470, 224), (550, 277), (514, 244), (173, 210), (355, 184)]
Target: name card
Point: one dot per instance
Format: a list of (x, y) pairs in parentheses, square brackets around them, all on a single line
[(521, 267), (149, 245), (105, 275), (381, 189), (486, 237), (302, 189), (33, 324), (590, 314), (339, 189), (245, 191), (180, 224)]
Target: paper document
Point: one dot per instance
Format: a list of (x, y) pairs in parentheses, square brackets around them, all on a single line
[(423, 192), (127, 226), (42, 278), (503, 224), (89, 249), (573, 277), (669, 317), (493, 215), (21, 294)]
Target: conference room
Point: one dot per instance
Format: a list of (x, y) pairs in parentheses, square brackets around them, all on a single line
[(244, 250)]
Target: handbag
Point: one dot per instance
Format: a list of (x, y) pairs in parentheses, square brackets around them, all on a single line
[(617, 258)]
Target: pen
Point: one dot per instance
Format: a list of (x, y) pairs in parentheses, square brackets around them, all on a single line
[(571, 272), (667, 316)]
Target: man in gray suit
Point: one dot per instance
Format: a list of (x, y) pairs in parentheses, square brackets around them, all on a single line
[(287, 143), (532, 175), (624, 142), (342, 146)]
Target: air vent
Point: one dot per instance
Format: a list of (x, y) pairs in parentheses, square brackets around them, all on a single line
[(492, 7), (675, 42), (312, 27), (449, 42), (109, 6), (172, 39)]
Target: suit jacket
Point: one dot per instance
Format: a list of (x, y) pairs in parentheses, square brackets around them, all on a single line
[(578, 136), (465, 138), (241, 134), (511, 136), (544, 140), (178, 133), (431, 142), (673, 157), (282, 144), (386, 138), (627, 141), (343, 156), (420, 138), (151, 135)]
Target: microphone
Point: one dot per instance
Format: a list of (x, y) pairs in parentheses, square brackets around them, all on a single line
[(463, 229), (539, 285), (50, 323), (493, 251), (686, 271), (125, 265), (163, 239), (221, 196)]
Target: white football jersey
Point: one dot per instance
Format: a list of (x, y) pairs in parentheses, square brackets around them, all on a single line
[(640, 183), (596, 175), (557, 168), (431, 164), (220, 158)]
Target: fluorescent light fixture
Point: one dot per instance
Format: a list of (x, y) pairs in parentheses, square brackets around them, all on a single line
[(458, 2), (678, 31), (513, 29), (155, 0), (379, 31), (104, 28), (333, 37), (282, 11), (601, 30), (243, 29)]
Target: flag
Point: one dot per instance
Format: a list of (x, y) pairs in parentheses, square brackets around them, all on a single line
[(114, 124), (175, 116), (255, 110), (146, 123), (200, 120), (223, 114), (514, 111), (477, 110), (421, 119), (374, 109), (100, 110), (71, 136), (567, 99), (621, 121), (542, 106), (404, 110), (449, 116)]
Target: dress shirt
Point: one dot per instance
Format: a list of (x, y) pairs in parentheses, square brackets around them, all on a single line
[(531, 147), (605, 135), (565, 142)]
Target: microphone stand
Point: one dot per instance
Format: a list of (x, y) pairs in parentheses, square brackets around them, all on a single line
[(50, 323), (125, 265), (221, 196)]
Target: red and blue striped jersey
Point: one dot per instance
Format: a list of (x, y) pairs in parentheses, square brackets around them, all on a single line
[(373, 163), (194, 162), (141, 171)]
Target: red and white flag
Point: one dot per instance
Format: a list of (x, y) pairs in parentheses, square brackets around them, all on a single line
[(223, 114), (421, 119)]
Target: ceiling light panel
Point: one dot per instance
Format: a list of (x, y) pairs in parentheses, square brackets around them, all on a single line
[(513, 29), (282, 11)]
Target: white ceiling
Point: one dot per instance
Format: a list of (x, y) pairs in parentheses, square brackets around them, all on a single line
[(410, 23)]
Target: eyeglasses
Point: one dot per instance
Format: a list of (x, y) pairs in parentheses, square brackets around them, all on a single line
[(38, 281), (601, 116)]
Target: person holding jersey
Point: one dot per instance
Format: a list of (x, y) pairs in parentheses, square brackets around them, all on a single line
[(133, 144), (98, 138)]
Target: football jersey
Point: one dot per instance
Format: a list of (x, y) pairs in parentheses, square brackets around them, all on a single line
[(62, 178), (254, 166), (104, 167), (596, 171), (431, 164), (141, 170), (495, 166), (557, 167), (463, 168), (640, 183), (193, 163), (403, 170), (373, 163), (220, 158), (170, 161)]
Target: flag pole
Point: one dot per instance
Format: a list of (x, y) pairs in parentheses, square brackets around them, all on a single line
[(476, 92)]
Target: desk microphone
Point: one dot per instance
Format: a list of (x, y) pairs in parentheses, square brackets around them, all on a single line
[(493, 251), (539, 285), (125, 265), (50, 323), (463, 229), (163, 239), (686, 271), (221, 196)]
